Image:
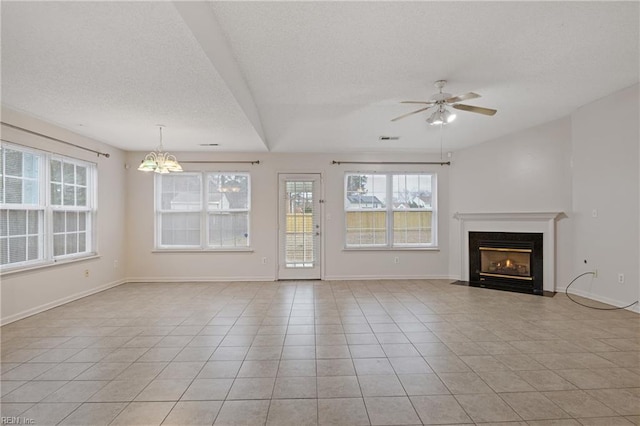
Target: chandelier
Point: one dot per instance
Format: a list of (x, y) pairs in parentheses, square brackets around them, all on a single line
[(160, 162)]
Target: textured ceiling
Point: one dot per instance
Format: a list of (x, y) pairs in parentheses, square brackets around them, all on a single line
[(113, 71), (309, 76)]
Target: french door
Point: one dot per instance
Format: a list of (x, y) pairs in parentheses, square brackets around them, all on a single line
[(299, 226)]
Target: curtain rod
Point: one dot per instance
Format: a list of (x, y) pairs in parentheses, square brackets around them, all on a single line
[(222, 162), (441, 163), (104, 154)]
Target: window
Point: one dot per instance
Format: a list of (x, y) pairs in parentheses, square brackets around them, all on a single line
[(179, 210), (46, 207), (202, 211), (390, 210), (70, 206)]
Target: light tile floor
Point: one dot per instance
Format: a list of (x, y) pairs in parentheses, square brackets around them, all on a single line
[(307, 353)]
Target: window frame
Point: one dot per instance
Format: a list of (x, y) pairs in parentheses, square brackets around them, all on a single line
[(371, 209), (389, 210), (46, 255), (204, 213), (159, 212), (89, 209)]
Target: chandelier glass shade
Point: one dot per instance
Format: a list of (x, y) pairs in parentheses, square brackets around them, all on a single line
[(159, 161)]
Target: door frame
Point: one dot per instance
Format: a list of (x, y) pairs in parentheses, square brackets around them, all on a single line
[(321, 220)]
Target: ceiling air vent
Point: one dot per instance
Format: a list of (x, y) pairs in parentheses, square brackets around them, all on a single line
[(389, 138)]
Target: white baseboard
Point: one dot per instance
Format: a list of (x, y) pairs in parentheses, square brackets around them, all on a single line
[(58, 302), (195, 279), (608, 301), (387, 277), (270, 278)]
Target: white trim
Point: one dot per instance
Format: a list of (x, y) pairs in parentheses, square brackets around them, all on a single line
[(387, 277), (540, 222), (389, 210), (197, 279), (395, 248), (273, 278), (508, 216), (204, 213), (316, 271), (48, 264), (608, 301), (190, 250), (59, 302)]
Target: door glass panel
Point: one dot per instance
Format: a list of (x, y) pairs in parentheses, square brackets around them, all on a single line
[(300, 250)]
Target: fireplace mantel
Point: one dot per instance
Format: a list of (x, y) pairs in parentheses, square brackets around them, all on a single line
[(545, 216), (542, 222)]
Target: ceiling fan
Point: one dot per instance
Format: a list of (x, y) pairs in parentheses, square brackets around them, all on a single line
[(441, 100)]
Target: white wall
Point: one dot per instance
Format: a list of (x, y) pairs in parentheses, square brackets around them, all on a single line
[(29, 292), (528, 171), (338, 263), (606, 178), (585, 162)]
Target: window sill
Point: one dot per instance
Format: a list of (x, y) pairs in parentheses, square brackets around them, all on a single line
[(19, 270), (434, 248), (225, 250)]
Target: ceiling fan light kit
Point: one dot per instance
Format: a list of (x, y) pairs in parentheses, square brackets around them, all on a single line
[(441, 100), (441, 116)]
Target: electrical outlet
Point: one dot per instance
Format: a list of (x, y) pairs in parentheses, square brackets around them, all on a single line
[(264, 260), (86, 273), (396, 259), (620, 278)]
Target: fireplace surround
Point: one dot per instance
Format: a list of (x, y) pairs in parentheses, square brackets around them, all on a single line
[(540, 222)]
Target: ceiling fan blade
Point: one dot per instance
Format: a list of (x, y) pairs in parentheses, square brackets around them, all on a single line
[(471, 108), (418, 102), (459, 98), (410, 113)]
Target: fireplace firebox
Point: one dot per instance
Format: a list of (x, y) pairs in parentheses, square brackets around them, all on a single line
[(506, 261)]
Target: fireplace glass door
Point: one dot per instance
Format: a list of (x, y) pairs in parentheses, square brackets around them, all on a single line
[(505, 263)]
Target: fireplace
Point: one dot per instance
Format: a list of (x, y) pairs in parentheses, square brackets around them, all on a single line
[(506, 261), (543, 223)]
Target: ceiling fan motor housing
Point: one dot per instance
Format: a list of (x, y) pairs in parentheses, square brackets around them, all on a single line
[(440, 97)]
